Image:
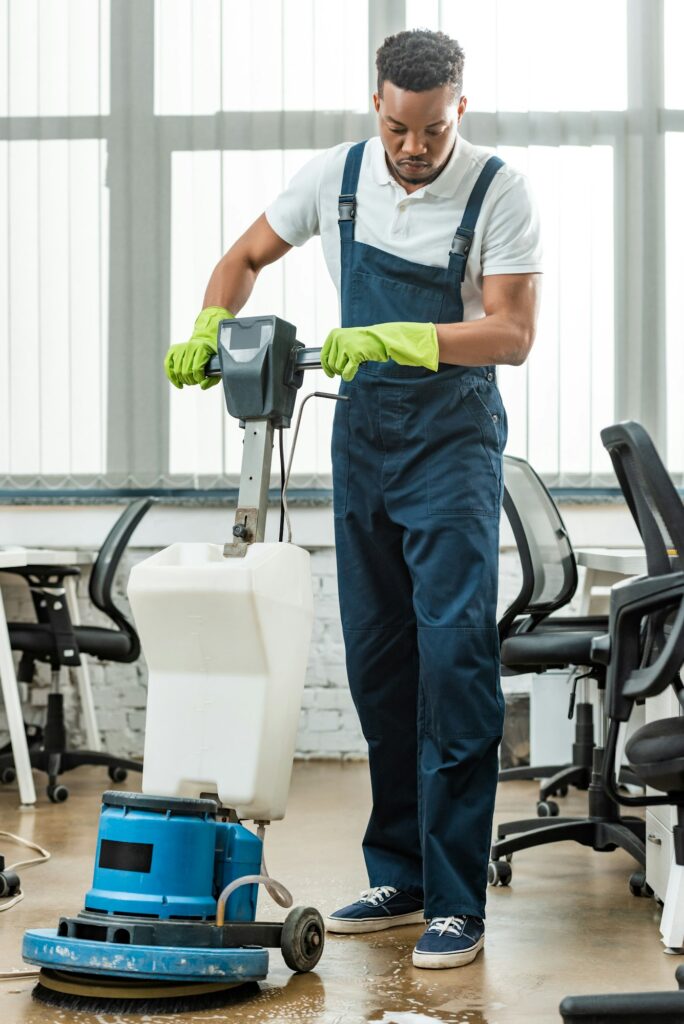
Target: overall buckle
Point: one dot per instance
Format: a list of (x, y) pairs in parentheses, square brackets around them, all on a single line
[(346, 207)]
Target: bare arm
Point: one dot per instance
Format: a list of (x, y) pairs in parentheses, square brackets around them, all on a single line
[(505, 333), (232, 280)]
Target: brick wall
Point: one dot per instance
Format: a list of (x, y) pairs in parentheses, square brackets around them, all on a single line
[(328, 726)]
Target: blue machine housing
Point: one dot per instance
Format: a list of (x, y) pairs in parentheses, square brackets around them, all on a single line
[(170, 858)]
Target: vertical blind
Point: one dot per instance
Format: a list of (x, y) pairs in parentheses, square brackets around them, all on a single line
[(139, 138)]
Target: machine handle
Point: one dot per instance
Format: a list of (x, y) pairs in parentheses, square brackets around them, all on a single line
[(305, 359)]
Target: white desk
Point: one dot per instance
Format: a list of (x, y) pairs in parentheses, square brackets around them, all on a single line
[(10, 557), (604, 567)]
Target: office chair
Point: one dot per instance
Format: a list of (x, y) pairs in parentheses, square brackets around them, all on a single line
[(55, 640), (535, 642), (644, 653), (549, 582)]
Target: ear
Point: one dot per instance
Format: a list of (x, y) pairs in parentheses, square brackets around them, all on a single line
[(462, 104), (376, 102)]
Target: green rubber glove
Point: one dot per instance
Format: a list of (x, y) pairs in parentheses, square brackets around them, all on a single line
[(184, 363), (346, 348)]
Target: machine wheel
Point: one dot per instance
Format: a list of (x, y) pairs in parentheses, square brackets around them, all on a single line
[(116, 773), (638, 885), (301, 942), (547, 809), (8, 775), (499, 872), (58, 793)]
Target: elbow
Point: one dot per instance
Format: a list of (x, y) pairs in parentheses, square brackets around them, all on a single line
[(521, 346)]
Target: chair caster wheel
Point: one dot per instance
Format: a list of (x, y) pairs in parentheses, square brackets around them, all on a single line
[(499, 872), (562, 790), (7, 775), (58, 794), (547, 809), (638, 885), (117, 774)]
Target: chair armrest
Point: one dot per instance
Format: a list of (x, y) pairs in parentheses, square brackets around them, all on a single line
[(631, 601)]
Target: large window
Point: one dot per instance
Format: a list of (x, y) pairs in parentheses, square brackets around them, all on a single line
[(138, 140)]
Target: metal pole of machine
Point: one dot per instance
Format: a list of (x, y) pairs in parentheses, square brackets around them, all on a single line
[(262, 366), (255, 476)]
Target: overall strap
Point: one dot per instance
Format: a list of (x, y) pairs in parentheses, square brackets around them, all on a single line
[(346, 204), (463, 239)]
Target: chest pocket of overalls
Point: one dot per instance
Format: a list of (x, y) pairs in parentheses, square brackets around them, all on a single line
[(394, 301), (465, 435)]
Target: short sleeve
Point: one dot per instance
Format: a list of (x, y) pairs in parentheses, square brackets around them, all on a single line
[(511, 243), (294, 214)]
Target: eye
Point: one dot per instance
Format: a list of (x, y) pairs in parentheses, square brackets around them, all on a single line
[(397, 131)]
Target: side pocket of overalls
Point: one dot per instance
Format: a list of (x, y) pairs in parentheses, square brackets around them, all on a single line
[(340, 456), (465, 438)]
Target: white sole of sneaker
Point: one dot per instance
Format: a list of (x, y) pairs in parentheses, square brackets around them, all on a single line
[(439, 961), (371, 924)]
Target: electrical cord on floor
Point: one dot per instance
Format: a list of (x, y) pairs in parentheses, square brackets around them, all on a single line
[(16, 895)]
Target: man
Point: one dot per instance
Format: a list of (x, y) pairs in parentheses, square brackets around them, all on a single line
[(433, 245)]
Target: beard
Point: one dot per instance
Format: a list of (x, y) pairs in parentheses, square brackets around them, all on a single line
[(423, 179)]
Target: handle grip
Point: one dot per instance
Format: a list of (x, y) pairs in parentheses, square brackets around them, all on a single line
[(305, 359)]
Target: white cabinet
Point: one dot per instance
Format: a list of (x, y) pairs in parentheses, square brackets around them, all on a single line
[(660, 819), (659, 849)]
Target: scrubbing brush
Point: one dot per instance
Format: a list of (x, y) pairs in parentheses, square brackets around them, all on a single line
[(73, 991)]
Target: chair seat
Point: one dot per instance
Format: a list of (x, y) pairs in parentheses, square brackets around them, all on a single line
[(546, 648), (37, 638), (656, 753)]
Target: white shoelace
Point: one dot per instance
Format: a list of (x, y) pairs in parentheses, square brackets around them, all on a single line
[(452, 925), (378, 894)]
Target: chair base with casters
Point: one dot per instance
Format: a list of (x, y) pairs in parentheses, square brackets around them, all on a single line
[(604, 829), (49, 753), (54, 639)]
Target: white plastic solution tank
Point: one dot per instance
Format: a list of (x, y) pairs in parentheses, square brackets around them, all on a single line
[(226, 642)]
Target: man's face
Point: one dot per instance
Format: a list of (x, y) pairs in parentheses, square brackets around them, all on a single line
[(418, 130)]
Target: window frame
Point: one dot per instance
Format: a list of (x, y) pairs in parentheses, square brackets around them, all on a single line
[(139, 154)]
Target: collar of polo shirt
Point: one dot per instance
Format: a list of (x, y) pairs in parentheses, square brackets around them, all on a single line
[(445, 184)]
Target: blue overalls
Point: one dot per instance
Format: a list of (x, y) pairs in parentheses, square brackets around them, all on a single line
[(417, 484)]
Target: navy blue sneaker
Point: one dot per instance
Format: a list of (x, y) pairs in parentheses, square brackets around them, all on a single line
[(449, 942), (376, 909)]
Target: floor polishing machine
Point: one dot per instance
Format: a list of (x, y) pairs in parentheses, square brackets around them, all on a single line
[(169, 921)]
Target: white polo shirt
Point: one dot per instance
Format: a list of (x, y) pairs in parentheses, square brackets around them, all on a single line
[(418, 227)]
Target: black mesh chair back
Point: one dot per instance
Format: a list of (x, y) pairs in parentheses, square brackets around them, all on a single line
[(650, 494), (548, 562), (106, 565)]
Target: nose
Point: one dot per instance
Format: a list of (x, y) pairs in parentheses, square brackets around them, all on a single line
[(412, 146)]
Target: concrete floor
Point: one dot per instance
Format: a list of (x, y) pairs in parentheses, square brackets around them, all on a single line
[(567, 924)]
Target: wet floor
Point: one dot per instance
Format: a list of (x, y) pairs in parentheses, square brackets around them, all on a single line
[(567, 924)]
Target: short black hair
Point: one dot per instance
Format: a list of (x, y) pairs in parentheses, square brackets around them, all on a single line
[(419, 59)]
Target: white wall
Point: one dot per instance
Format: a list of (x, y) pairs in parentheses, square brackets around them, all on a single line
[(328, 726)]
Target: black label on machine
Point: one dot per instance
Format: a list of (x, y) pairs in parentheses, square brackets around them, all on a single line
[(126, 856)]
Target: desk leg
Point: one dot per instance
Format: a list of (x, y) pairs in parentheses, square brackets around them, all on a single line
[(587, 587), (15, 719), (85, 691)]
